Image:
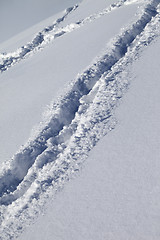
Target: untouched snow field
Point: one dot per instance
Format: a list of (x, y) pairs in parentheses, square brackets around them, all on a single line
[(80, 111)]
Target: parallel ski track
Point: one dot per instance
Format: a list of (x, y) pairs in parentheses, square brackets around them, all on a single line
[(49, 34), (77, 122)]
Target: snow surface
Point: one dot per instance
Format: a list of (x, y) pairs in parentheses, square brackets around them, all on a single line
[(17, 15), (116, 196), (43, 83), (102, 87)]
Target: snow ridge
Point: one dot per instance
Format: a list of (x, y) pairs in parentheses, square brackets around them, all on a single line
[(78, 120), (50, 33)]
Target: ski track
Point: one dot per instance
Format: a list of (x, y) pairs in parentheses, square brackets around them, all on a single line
[(77, 121), (50, 33)]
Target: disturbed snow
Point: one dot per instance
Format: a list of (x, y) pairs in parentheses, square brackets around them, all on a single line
[(77, 120)]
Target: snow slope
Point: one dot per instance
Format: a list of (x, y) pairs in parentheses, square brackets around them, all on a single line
[(74, 123), (17, 16), (47, 82), (116, 196)]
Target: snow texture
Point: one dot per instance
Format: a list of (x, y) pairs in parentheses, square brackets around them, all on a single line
[(76, 121), (50, 33)]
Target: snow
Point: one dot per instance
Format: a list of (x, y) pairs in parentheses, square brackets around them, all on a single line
[(17, 16), (47, 82), (116, 196), (100, 126)]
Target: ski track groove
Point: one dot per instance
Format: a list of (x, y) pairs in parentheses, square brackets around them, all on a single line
[(76, 122), (49, 34)]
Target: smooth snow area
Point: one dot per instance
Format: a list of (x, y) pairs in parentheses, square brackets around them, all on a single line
[(79, 127), (116, 196)]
